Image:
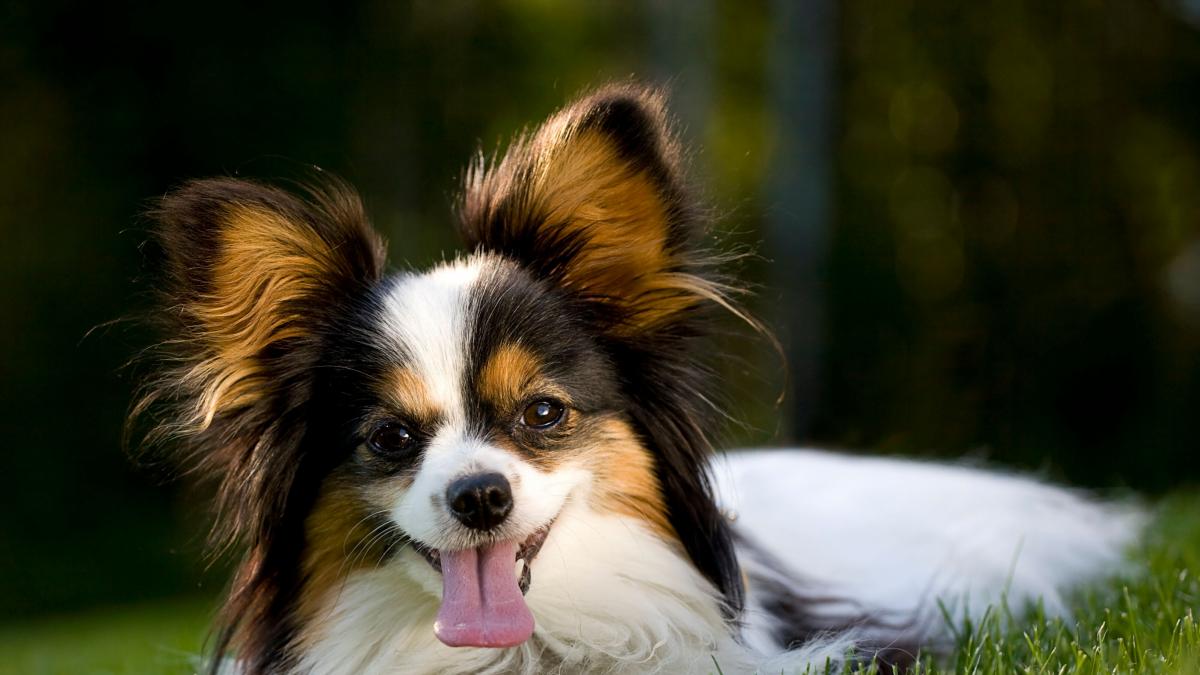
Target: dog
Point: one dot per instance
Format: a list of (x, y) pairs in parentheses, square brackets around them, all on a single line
[(505, 464)]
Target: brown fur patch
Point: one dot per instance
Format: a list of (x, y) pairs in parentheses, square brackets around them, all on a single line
[(340, 539), (618, 210), (508, 375), (266, 267), (403, 388), (626, 482)]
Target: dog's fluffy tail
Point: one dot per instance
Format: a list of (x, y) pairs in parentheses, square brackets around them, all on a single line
[(890, 549)]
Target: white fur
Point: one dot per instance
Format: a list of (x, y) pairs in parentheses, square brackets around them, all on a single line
[(426, 317), (895, 537)]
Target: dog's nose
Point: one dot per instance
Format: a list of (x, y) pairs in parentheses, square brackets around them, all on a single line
[(481, 501)]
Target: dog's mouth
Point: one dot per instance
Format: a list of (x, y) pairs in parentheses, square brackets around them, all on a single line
[(483, 591), (527, 551)]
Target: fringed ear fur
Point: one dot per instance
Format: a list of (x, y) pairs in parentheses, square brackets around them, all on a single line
[(594, 203), (594, 200), (250, 267), (255, 278), (253, 274)]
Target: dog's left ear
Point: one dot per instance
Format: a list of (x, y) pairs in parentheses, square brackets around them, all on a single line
[(594, 201)]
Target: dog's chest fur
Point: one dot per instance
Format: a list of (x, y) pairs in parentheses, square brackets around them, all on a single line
[(608, 596)]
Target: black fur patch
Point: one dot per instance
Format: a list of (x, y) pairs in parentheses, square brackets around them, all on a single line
[(799, 614)]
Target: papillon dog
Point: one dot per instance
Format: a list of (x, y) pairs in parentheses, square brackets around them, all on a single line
[(505, 464)]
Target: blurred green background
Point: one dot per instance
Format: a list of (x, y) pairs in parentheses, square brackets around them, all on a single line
[(978, 222)]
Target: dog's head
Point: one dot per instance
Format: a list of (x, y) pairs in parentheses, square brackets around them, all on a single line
[(447, 421)]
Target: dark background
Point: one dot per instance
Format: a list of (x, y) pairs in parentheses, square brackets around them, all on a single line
[(978, 222)]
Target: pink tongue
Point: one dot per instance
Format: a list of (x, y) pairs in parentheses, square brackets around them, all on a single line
[(482, 605)]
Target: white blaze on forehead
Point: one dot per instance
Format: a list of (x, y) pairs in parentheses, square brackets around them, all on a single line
[(426, 317)]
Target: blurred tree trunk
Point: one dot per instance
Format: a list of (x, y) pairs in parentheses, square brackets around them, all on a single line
[(799, 192)]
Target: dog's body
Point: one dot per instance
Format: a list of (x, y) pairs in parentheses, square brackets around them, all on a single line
[(842, 569), (503, 464)]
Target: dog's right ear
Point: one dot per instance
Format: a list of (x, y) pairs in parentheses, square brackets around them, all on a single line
[(251, 271), (254, 276)]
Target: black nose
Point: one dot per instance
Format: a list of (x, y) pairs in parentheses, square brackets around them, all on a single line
[(481, 502)]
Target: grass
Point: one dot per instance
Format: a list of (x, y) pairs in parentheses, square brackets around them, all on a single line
[(1145, 623), (161, 638)]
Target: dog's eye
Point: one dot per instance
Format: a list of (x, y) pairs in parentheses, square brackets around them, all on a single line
[(390, 438), (542, 414)]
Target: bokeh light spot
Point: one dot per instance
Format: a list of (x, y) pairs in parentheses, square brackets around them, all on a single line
[(924, 118)]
